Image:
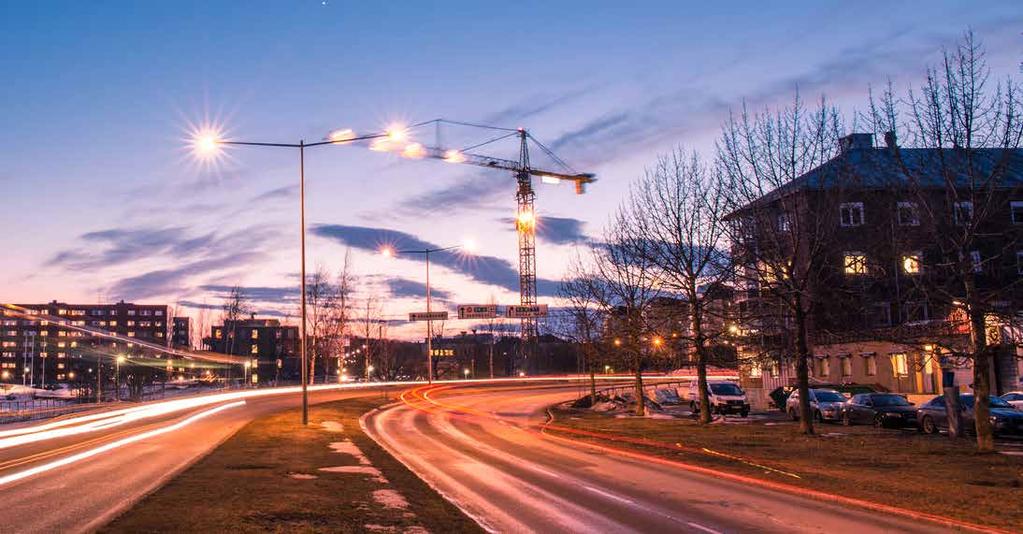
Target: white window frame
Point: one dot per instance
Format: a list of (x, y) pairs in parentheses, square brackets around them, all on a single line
[(975, 259), (869, 363), (913, 209), (957, 208), (852, 208), (1013, 206)]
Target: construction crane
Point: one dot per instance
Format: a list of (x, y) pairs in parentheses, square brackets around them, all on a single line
[(522, 170)]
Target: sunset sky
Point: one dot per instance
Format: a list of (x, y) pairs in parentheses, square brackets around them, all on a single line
[(102, 199)]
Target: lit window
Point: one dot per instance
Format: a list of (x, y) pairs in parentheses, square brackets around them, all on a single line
[(869, 364), (911, 263), (1017, 211), (824, 369), (255, 334), (962, 212), (755, 371), (855, 263), (131, 334), (908, 214), (846, 365), (900, 365), (113, 323), (255, 349), (851, 213)]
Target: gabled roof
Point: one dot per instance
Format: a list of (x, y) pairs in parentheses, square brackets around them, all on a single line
[(900, 168)]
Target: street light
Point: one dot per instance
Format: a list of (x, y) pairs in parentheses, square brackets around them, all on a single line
[(117, 376), (207, 143), (390, 252)]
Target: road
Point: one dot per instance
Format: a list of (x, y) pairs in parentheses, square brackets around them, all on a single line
[(137, 452), (480, 448)]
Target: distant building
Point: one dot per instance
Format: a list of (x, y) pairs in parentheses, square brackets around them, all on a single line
[(60, 342), (273, 347), (181, 333)]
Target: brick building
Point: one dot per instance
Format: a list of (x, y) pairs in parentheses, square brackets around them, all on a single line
[(273, 347), (61, 342)]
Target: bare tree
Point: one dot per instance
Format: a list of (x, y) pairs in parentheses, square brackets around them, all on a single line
[(955, 143), (675, 214), (328, 300), (779, 227), (370, 319), (235, 307), (585, 323), (622, 280)]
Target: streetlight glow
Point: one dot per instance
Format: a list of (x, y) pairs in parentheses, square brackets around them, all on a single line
[(413, 151), (206, 143), (469, 245), (387, 252), (343, 135), (454, 156)]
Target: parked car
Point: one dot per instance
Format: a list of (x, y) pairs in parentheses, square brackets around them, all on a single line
[(879, 409), (724, 397), (933, 415), (780, 395), (1015, 398), (825, 405)]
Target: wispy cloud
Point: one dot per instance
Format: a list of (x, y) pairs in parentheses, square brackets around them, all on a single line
[(164, 282), (488, 270), (403, 287)]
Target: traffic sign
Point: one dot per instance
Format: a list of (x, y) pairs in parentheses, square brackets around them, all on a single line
[(477, 311), (527, 312), (428, 316)]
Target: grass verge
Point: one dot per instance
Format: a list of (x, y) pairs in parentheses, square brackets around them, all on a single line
[(924, 473), (258, 481)]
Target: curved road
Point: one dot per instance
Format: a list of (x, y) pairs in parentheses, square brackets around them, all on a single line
[(133, 451), (479, 447)]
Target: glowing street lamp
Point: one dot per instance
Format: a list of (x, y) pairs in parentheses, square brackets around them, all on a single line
[(207, 144), (117, 376), (466, 373)]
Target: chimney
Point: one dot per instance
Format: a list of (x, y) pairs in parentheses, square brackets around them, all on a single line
[(855, 141), (890, 140)]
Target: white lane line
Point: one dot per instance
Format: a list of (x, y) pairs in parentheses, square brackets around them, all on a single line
[(114, 445), (609, 495), (698, 526)]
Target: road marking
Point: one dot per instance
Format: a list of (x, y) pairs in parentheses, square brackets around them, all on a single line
[(14, 477), (609, 495), (698, 526)]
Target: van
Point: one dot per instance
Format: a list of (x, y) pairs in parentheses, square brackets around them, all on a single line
[(725, 397)]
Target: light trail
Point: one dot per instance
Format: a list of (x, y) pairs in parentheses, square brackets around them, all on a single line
[(14, 477)]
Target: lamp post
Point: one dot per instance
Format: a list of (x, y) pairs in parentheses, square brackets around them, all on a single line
[(208, 143), (389, 252), (117, 376)]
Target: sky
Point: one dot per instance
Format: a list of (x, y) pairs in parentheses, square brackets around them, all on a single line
[(102, 198)]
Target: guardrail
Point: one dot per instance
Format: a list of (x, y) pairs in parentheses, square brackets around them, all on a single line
[(649, 386)]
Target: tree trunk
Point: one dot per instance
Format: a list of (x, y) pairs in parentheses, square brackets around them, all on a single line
[(640, 397), (981, 382), (593, 383), (802, 371), (953, 412), (701, 367)]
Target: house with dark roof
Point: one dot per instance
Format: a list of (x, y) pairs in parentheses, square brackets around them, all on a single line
[(889, 238)]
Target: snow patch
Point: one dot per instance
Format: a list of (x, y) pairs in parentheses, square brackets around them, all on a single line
[(389, 498), (351, 449), (332, 426), (357, 469), (302, 476)]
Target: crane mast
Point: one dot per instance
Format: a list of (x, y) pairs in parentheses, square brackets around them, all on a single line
[(526, 225)]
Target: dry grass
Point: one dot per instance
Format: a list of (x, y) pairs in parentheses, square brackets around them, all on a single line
[(244, 485), (926, 473)]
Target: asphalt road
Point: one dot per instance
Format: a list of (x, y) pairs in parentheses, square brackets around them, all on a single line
[(479, 447), (138, 452)]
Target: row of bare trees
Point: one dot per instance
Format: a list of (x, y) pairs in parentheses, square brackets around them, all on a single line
[(761, 218)]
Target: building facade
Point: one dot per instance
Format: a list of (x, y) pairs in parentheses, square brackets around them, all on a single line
[(181, 333), (273, 347), (65, 343)]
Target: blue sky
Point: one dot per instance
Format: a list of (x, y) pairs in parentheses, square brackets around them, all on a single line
[(101, 199)]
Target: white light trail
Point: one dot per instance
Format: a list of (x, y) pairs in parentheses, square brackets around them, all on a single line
[(67, 460)]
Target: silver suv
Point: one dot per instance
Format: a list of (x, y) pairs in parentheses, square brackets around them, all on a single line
[(825, 405)]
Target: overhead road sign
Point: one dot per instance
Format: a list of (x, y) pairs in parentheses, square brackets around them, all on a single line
[(530, 311), (477, 311), (428, 316)]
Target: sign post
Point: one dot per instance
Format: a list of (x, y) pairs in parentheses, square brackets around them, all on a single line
[(527, 311), (477, 311)]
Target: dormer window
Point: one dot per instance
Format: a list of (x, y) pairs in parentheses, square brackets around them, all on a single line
[(851, 214)]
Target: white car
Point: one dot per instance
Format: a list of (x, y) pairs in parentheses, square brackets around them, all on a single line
[(724, 397), (1015, 398)]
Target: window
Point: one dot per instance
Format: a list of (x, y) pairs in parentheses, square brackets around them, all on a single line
[(911, 262), (158, 313), (869, 364), (784, 225), (756, 371), (962, 212), (255, 349), (978, 266), (255, 334), (775, 370), (1017, 211), (915, 310), (855, 263), (824, 369), (900, 365), (95, 312), (851, 213), (846, 362), (881, 314), (908, 214), (131, 312)]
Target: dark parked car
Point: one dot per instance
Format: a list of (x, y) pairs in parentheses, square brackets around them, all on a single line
[(825, 405), (880, 410), (781, 394), (1006, 419)]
